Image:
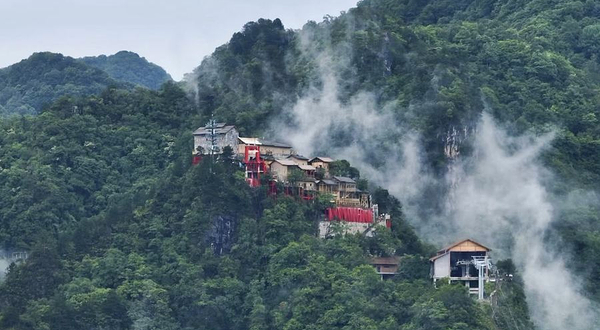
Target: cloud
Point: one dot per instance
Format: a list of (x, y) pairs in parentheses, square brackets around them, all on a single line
[(497, 195), (502, 201), (359, 129)]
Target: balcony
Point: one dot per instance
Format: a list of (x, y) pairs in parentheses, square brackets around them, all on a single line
[(348, 202)]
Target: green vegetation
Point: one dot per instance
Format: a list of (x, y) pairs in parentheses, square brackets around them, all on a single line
[(447, 60), (247, 81), (342, 168), (436, 65), (124, 233), (74, 160), (30, 85), (26, 87), (130, 67), (509, 308)]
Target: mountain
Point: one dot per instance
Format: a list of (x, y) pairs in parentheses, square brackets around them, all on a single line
[(447, 60), (26, 87), (481, 116), (130, 67), (468, 118), (123, 232)]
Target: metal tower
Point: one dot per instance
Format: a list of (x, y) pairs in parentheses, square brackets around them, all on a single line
[(212, 137), (481, 262)]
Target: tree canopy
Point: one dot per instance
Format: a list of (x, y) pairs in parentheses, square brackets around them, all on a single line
[(129, 67), (124, 233)]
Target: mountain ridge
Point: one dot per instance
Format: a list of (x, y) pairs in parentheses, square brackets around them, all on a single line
[(129, 67), (29, 85), (448, 100)]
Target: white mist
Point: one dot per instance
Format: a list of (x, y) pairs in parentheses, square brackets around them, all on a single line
[(496, 196)]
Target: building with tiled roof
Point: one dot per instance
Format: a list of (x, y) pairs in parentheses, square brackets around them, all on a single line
[(222, 134), (267, 147)]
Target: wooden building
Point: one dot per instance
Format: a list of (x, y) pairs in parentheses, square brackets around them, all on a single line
[(308, 184), (456, 263), (346, 192), (300, 160), (308, 170), (321, 162), (386, 267), (345, 185), (281, 168), (327, 186)]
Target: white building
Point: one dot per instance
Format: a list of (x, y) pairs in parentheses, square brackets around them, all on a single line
[(224, 135)]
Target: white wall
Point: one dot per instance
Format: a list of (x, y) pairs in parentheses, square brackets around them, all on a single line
[(441, 267), (222, 140)]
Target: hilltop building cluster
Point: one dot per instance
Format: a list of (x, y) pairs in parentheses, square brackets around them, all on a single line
[(299, 175), (466, 262)]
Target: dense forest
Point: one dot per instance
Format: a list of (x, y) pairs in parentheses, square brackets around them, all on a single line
[(26, 87), (124, 233), (129, 67), (521, 58), (30, 85), (435, 66)]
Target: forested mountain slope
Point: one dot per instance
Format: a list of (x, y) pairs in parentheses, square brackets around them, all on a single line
[(65, 164), (129, 67), (124, 233), (26, 87), (533, 62), (29, 85), (410, 80)]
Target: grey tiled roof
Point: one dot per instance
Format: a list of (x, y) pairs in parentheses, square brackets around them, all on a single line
[(344, 179), (323, 159), (274, 144), (286, 162), (298, 156), (328, 182), (223, 129), (262, 142), (306, 167)]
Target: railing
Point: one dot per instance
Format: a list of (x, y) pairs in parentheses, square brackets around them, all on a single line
[(14, 255), (474, 291), (348, 202)]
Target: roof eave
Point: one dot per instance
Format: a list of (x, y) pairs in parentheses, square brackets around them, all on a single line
[(446, 249), (438, 256)]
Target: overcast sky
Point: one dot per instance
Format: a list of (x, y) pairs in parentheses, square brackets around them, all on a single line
[(175, 34)]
